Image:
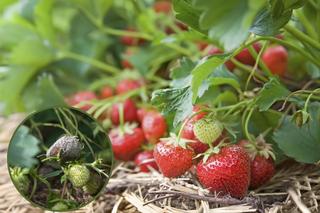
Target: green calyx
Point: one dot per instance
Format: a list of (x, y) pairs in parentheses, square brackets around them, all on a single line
[(176, 141), (260, 147)]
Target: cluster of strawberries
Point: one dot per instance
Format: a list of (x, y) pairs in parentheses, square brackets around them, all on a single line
[(275, 57), (202, 147), (132, 126), (221, 167)]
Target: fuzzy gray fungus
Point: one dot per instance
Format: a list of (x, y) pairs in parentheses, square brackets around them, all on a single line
[(69, 148)]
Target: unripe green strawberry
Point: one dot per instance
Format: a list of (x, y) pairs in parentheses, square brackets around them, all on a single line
[(207, 130), (78, 175), (20, 179), (94, 184), (59, 206)]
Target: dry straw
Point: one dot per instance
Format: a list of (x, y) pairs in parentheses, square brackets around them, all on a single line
[(295, 188)]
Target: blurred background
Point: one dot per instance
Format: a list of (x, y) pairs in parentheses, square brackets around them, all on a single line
[(51, 49)]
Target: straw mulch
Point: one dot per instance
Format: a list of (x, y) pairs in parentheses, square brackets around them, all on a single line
[(295, 188)]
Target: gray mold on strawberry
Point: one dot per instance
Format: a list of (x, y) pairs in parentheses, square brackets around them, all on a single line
[(67, 147)]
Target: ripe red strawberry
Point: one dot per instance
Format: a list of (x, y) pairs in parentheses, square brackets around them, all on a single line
[(154, 126), (172, 159), (129, 112), (162, 7), (128, 85), (141, 113), (126, 64), (145, 160), (227, 172), (126, 145), (245, 56), (131, 41), (262, 170), (106, 92), (276, 59), (81, 96), (262, 164), (215, 51)]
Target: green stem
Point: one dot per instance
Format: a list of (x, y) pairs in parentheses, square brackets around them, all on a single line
[(248, 69), (317, 98), (98, 64), (301, 36), (121, 118), (133, 34), (306, 24), (231, 107), (257, 57), (179, 49), (246, 125)]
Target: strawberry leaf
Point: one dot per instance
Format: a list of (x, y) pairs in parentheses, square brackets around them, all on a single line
[(201, 72), (271, 92), (187, 13), (181, 75), (301, 143), (47, 93), (175, 102), (237, 15), (274, 16), (23, 149)]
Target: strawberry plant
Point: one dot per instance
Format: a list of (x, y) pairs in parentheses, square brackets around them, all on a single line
[(187, 79), (63, 168)]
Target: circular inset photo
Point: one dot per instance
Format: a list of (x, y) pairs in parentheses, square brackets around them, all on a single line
[(60, 159)]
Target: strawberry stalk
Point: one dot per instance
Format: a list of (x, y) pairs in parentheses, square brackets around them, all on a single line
[(121, 117), (258, 56), (247, 116), (259, 62)]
